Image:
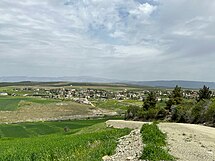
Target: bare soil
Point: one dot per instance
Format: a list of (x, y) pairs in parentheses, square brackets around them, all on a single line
[(54, 111), (189, 142)]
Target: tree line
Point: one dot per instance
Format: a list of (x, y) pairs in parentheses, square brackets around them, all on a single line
[(176, 108)]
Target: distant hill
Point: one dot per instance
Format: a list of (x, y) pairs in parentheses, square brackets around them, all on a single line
[(173, 83), (57, 79), (91, 79)]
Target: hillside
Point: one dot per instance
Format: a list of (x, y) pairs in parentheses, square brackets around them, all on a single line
[(173, 83), (90, 80)]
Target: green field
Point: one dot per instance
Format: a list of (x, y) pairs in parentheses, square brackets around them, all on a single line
[(44, 128), (116, 104), (9, 103), (88, 140)]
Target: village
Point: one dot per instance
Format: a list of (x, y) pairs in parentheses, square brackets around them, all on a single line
[(86, 95)]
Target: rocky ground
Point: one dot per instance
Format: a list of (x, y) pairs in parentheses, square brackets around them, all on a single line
[(130, 147), (189, 142)]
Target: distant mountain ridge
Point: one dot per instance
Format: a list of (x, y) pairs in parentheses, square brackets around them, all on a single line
[(91, 79), (55, 79), (173, 83)]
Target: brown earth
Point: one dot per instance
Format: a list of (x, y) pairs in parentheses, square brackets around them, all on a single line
[(54, 111)]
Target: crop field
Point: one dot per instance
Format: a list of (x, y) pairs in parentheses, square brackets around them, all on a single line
[(10, 103), (91, 141), (44, 128)]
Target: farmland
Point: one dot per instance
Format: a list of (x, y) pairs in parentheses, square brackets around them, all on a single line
[(8, 103), (84, 140), (32, 129), (63, 122)]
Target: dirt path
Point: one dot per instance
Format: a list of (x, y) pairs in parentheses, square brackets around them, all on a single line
[(187, 142), (125, 124), (130, 147), (190, 142)]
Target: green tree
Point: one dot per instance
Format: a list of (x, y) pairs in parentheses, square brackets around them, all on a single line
[(150, 101), (204, 93), (175, 98)]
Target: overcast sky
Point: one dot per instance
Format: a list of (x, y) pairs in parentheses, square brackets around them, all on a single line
[(120, 39)]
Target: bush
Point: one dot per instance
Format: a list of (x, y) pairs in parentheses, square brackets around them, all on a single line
[(161, 113), (181, 113), (210, 113), (132, 112), (198, 112)]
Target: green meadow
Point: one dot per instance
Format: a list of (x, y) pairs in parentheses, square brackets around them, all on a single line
[(10, 103), (23, 130), (84, 140)]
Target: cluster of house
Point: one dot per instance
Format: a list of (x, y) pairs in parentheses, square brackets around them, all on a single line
[(83, 95)]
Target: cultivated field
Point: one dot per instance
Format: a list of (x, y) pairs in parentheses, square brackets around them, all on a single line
[(65, 121), (82, 140)]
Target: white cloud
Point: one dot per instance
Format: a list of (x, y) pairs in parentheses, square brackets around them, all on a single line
[(145, 9), (106, 38)]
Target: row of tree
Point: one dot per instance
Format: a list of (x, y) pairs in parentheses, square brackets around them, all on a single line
[(176, 108)]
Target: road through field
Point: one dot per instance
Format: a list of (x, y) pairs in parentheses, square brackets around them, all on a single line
[(190, 142)]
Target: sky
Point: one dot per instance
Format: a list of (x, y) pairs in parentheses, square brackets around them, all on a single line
[(118, 39)]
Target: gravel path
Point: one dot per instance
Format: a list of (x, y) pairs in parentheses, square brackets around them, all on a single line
[(129, 147), (187, 142), (190, 142), (125, 124)]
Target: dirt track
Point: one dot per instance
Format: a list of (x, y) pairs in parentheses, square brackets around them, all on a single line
[(187, 142), (190, 142), (129, 147)]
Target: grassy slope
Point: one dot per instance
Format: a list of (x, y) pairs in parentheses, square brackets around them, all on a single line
[(116, 104), (23, 130), (10, 103), (155, 142), (90, 143)]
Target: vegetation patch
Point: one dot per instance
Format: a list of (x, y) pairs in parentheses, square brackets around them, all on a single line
[(155, 144), (22, 130), (111, 104), (90, 144), (10, 103)]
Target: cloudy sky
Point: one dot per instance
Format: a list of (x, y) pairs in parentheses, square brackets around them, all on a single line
[(120, 39)]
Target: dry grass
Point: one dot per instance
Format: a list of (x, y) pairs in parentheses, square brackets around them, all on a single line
[(45, 112)]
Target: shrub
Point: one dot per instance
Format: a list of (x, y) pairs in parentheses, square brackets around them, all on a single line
[(181, 113), (132, 112), (210, 113), (161, 113), (198, 112)]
